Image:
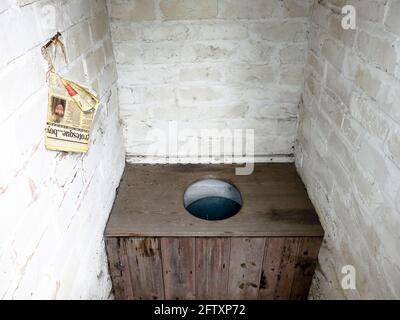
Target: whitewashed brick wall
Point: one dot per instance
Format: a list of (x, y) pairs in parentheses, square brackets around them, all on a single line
[(210, 64), (54, 205), (348, 150)]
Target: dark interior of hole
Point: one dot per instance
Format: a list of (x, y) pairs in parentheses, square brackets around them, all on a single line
[(214, 208)]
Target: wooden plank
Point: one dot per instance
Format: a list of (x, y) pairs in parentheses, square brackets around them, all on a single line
[(178, 260), (149, 203), (212, 266), (245, 267), (307, 259), (279, 268), (144, 257), (119, 268), (271, 267)]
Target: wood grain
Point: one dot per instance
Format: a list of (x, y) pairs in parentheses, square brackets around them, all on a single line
[(178, 259), (150, 203), (212, 268), (144, 258), (245, 267), (307, 258), (286, 269), (119, 268), (271, 267), (212, 263), (267, 251)]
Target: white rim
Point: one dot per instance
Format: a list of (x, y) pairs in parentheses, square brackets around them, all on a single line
[(211, 188)]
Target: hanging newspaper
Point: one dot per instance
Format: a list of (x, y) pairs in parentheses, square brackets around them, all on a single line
[(70, 111)]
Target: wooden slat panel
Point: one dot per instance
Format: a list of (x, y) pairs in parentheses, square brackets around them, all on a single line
[(144, 257), (212, 265), (245, 267), (119, 268), (178, 259), (307, 258), (278, 268), (270, 270)]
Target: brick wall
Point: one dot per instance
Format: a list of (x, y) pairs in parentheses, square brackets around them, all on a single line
[(348, 150), (207, 64), (210, 64), (54, 205)]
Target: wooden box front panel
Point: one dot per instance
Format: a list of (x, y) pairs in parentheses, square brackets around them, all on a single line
[(212, 268)]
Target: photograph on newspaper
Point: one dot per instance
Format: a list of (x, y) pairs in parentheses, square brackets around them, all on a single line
[(68, 127)]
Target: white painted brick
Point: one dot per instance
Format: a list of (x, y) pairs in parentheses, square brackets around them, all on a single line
[(6, 4), (394, 147), (136, 10), (368, 80), (254, 75), (41, 191), (19, 20), (99, 27), (72, 11), (210, 51), (149, 75), (338, 85), (210, 62), (296, 8), (218, 31), (364, 111), (29, 67), (251, 9), (125, 32), (292, 75), (378, 51), (78, 39), (165, 32), (334, 53), (95, 63), (292, 54), (196, 73), (392, 19), (256, 52), (348, 134), (391, 102), (280, 32), (188, 9), (269, 110), (336, 30), (374, 11), (154, 53), (199, 94)]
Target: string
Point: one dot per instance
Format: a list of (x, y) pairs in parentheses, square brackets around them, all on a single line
[(53, 43)]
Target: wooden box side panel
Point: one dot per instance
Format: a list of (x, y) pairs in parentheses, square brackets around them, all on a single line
[(307, 259), (119, 268), (178, 260), (245, 267), (212, 268), (212, 264), (145, 267)]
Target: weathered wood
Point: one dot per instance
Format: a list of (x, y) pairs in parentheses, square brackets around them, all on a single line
[(212, 268), (178, 260), (119, 268), (245, 267), (307, 258), (144, 257), (286, 269), (149, 203), (271, 267), (276, 211), (212, 265)]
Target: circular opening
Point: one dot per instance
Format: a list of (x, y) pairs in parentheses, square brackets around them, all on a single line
[(212, 199)]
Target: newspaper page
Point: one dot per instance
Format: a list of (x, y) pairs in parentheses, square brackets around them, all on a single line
[(68, 126)]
